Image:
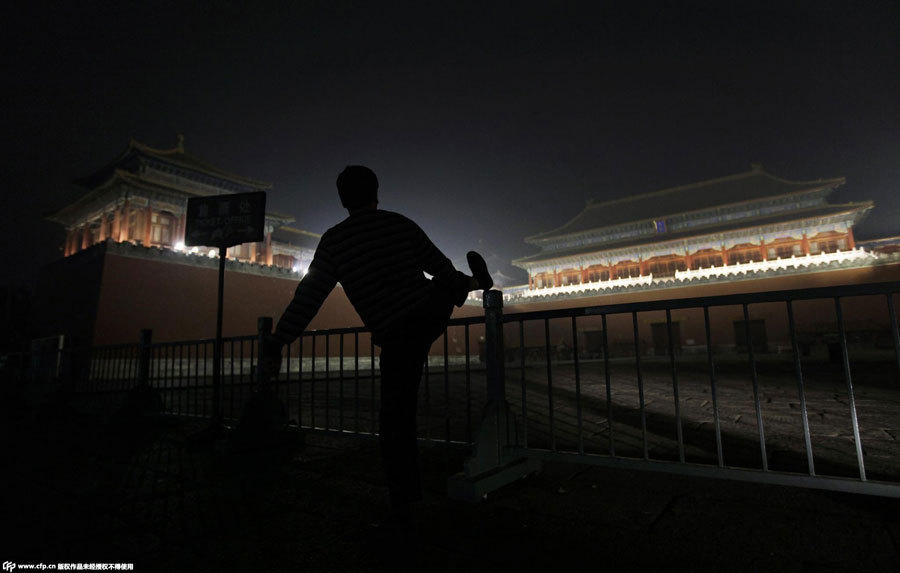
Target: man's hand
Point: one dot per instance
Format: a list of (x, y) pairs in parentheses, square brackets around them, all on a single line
[(271, 358)]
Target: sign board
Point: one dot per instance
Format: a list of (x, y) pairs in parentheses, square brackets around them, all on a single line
[(225, 220)]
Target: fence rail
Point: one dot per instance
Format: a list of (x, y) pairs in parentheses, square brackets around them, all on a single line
[(772, 387)]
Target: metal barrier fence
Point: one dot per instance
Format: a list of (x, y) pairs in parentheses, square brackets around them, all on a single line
[(666, 411), (330, 379), (626, 385)]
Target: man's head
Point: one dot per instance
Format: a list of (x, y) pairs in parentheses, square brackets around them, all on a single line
[(358, 187)]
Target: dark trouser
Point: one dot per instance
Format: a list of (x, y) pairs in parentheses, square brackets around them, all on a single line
[(403, 355)]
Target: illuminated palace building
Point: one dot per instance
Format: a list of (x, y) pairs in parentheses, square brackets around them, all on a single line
[(126, 266), (751, 225), (141, 199)]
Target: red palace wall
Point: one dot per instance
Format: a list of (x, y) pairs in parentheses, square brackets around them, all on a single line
[(178, 302), (100, 298)]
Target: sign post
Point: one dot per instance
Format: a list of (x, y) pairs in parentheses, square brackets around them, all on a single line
[(223, 221)]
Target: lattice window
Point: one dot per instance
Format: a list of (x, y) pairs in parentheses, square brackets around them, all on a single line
[(785, 251), (829, 243), (598, 274), (161, 225), (666, 268), (629, 270), (544, 280), (744, 256), (571, 278), (706, 258)]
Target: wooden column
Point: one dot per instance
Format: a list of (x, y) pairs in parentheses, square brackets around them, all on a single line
[(103, 233), (643, 266), (687, 259), (724, 255), (148, 222), (116, 231), (253, 247), (67, 246), (86, 236), (764, 252), (805, 242), (123, 224), (850, 241), (583, 275), (268, 254), (612, 272)]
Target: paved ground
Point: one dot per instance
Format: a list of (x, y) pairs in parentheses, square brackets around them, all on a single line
[(88, 487)]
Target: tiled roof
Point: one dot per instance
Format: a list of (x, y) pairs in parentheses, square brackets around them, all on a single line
[(175, 156), (750, 186), (795, 215), (296, 237)]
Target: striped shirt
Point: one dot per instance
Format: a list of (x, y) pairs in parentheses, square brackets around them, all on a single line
[(378, 257)]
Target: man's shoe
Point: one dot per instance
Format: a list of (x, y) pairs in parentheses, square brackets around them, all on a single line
[(479, 270)]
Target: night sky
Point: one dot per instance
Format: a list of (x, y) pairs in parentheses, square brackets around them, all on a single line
[(485, 122)]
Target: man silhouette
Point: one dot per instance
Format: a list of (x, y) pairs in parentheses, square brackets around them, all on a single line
[(379, 258)]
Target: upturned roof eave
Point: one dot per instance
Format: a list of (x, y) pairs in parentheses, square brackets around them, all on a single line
[(890, 238), (281, 217), (120, 175), (191, 162), (301, 232), (58, 215), (171, 156)]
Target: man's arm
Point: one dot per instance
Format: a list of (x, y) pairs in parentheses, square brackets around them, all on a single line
[(308, 298), (433, 261), (446, 277)]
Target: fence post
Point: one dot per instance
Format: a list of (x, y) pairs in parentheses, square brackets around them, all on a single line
[(494, 350), (490, 466), (264, 415), (263, 330), (144, 342), (143, 398)]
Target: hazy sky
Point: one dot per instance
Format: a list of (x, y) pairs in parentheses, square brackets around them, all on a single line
[(485, 122)]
